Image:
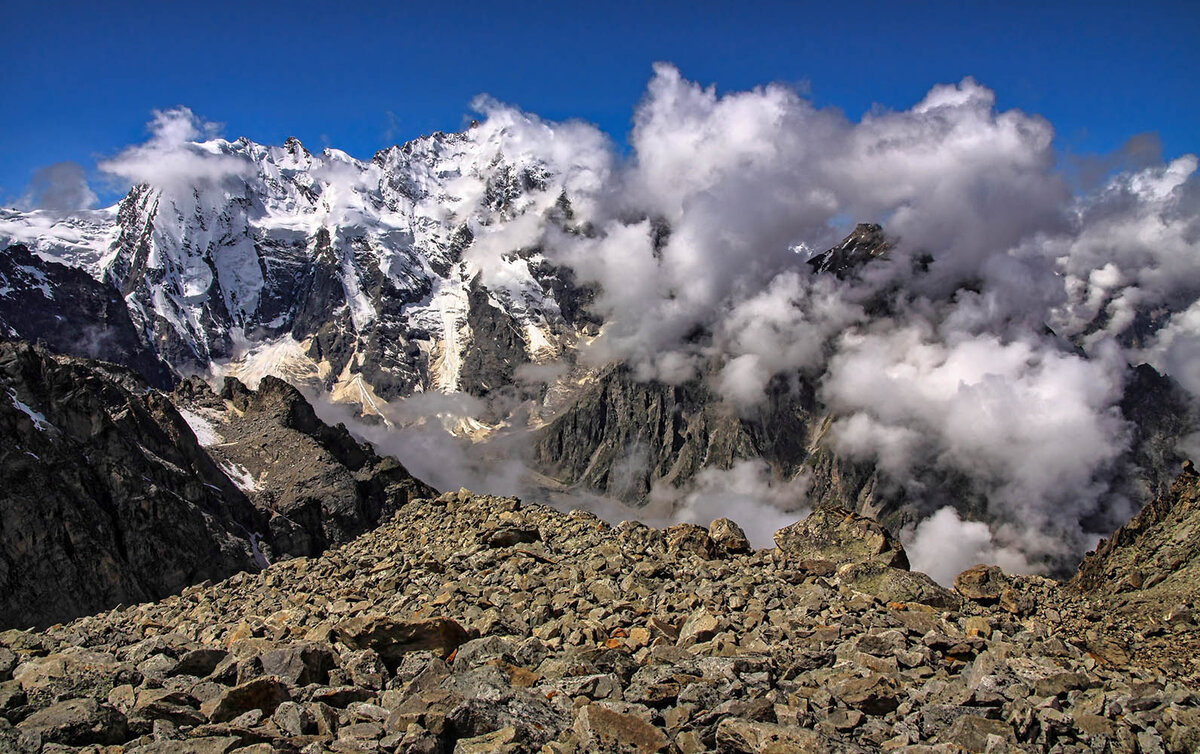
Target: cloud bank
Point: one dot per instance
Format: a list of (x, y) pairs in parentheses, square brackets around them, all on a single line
[(991, 346)]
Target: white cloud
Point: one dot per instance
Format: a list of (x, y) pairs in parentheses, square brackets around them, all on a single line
[(944, 546), (174, 158)]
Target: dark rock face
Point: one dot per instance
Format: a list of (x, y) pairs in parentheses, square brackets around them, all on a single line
[(72, 313), (866, 243), (1159, 413), (108, 497), (320, 486), (623, 436), (497, 346)]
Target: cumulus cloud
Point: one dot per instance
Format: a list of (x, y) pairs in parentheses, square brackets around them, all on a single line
[(944, 546), (747, 492), (61, 187), (1033, 428)]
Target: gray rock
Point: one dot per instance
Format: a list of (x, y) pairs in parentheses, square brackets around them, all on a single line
[(602, 729), (981, 583), (265, 693), (76, 722), (300, 664), (841, 536), (728, 536), (391, 639)]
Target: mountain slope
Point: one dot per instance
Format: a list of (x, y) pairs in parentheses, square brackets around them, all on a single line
[(475, 623), (110, 494), (72, 313)]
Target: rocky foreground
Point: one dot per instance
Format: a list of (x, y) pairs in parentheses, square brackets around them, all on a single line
[(478, 624)]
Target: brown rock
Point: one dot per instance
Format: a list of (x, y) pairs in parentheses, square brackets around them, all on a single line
[(691, 538), (728, 536), (300, 664), (972, 732), (981, 583), (897, 585), (77, 722), (873, 694), (736, 736)]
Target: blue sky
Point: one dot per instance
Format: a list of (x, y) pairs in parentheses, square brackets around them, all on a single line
[(81, 79)]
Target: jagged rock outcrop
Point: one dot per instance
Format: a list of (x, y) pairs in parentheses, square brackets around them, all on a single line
[(72, 313), (1143, 582), (428, 634), (110, 495), (865, 243), (623, 436), (320, 486), (108, 498)]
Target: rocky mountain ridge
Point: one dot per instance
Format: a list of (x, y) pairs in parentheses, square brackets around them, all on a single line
[(479, 624), (109, 496)]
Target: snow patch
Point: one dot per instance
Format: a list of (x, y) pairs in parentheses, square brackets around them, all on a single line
[(38, 419), (205, 430), (240, 476)]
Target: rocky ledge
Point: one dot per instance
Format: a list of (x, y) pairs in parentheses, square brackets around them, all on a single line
[(477, 624)]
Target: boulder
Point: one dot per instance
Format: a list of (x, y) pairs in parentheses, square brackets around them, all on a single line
[(897, 585), (76, 722), (391, 638), (981, 583), (737, 736), (603, 729), (264, 693), (841, 536), (300, 664), (728, 537), (683, 538)]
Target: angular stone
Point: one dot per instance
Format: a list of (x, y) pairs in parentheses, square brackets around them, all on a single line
[(342, 696), (162, 704), (899, 586), (293, 719), (265, 693), (981, 583), (507, 536), (602, 729), (841, 536), (391, 639), (700, 626), (71, 673), (736, 736), (977, 626), (300, 664), (683, 538), (502, 741), (366, 669), (728, 536), (202, 745), (199, 662), (973, 732), (873, 694), (76, 722)]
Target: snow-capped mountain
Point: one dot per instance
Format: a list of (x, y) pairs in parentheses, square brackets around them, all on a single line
[(331, 270)]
